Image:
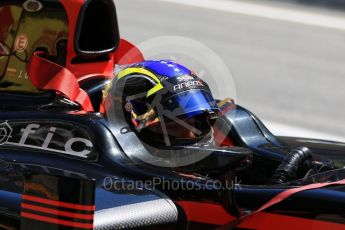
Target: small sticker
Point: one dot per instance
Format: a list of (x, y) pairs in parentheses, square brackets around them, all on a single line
[(21, 43), (129, 107), (5, 132), (20, 74), (185, 78), (189, 85), (32, 6), (11, 72)]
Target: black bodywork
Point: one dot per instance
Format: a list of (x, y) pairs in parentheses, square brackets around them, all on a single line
[(103, 163), (61, 168)]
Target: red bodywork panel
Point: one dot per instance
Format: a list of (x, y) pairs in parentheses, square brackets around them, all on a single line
[(65, 80), (202, 212), (105, 68), (126, 53)]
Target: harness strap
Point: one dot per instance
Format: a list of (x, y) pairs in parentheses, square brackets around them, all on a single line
[(48, 75), (279, 198)]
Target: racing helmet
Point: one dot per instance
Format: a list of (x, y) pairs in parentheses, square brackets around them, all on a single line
[(166, 102)]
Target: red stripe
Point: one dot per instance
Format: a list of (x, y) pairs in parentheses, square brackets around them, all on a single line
[(285, 195), (59, 203), (205, 213), (289, 192), (56, 221), (58, 212)]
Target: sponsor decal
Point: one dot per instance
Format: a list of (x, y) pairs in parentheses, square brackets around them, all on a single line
[(11, 72), (185, 78), (32, 6), (163, 78), (129, 107), (188, 85), (5, 132), (50, 138), (21, 43)]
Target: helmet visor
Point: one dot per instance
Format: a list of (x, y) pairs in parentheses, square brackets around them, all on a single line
[(190, 103)]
